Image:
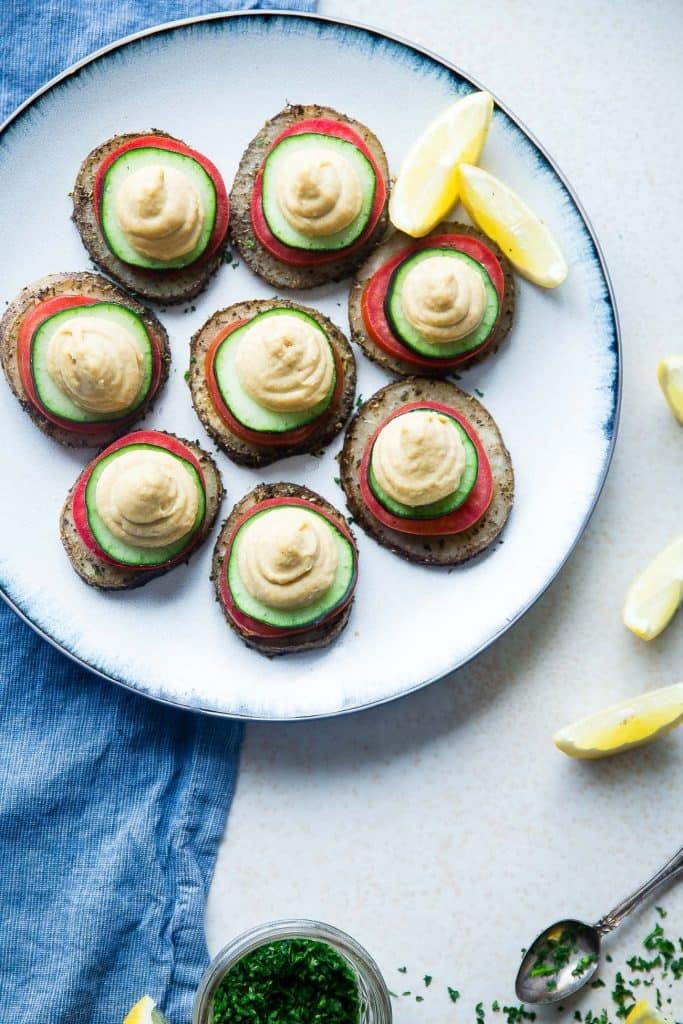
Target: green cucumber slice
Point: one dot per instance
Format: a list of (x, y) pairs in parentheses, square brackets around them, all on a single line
[(52, 396), (245, 408), (281, 227), (444, 505), (134, 160), (256, 609), (404, 330), (119, 549)]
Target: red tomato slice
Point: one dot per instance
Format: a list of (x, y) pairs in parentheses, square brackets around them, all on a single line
[(254, 627), (375, 293), (469, 513), (28, 327), (297, 257), (220, 226), (264, 438), (80, 509)]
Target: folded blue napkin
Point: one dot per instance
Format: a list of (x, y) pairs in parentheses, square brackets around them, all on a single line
[(111, 806)]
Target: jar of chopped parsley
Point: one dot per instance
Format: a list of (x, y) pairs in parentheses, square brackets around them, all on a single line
[(292, 972)]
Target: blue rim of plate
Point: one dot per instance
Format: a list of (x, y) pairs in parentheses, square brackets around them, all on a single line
[(610, 427)]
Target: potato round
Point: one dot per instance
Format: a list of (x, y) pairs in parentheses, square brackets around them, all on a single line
[(258, 259), (447, 550)]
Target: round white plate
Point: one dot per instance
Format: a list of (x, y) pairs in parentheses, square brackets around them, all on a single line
[(554, 389)]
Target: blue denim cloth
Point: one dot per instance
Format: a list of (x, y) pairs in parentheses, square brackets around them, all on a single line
[(111, 806)]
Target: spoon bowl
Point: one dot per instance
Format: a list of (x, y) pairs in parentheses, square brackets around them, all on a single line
[(559, 962)]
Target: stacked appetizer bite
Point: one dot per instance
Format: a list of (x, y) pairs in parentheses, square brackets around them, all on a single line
[(270, 378), (153, 213), (284, 568), (309, 198), (432, 305), (426, 472), (143, 505), (83, 358)]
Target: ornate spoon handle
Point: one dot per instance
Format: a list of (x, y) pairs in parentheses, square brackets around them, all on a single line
[(671, 870)]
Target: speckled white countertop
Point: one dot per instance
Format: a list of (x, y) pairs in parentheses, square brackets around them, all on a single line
[(445, 830)]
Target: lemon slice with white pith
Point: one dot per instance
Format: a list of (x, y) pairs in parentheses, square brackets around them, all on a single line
[(502, 215), (655, 595), (670, 377), (642, 1013), (427, 184), (145, 1012), (622, 726)]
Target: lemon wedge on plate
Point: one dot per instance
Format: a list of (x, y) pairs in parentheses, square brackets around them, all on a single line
[(642, 1013), (670, 377), (628, 724), (427, 184), (504, 217), (654, 596), (145, 1012)]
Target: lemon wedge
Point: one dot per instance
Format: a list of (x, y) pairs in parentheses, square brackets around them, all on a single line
[(503, 216), (427, 184), (670, 377), (145, 1012), (628, 724), (642, 1013), (654, 596)]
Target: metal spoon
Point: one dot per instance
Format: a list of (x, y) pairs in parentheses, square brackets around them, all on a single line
[(567, 954)]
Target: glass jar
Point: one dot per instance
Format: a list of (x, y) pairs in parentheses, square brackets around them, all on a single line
[(374, 996)]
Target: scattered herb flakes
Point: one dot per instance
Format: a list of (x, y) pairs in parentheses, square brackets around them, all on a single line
[(359, 401), (227, 256), (289, 981), (584, 963), (186, 375), (479, 1011), (427, 980), (479, 393), (337, 480), (402, 970), (453, 994), (407, 993), (661, 911), (394, 995), (419, 999), (249, 243)]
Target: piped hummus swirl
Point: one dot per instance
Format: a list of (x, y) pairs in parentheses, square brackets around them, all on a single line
[(285, 363), (444, 298), (160, 212), (146, 498), (96, 363), (287, 558), (318, 191), (419, 457)]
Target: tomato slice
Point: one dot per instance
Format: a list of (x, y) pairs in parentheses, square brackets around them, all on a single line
[(220, 226), (254, 627), (471, 510), (375, 293), (296, 257), (263, 438), (27, 329), (80, 509)]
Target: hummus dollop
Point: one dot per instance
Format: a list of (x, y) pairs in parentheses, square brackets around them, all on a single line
[(147, 498), (160, 212), (96, 363), (443, 298), (318, 191), (419, 457), (285, 363), (287, 558)]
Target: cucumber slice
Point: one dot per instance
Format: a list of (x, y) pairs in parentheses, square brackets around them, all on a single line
[(444, 505), (281, 227), (134, 160), (119, 549), (52, 396), (245, 408), (404, 330), (256, 609)]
